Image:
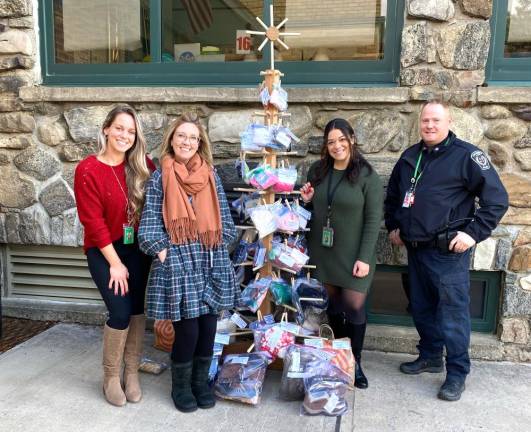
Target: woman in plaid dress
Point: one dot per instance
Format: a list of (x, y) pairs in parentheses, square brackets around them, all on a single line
[(186, 225)]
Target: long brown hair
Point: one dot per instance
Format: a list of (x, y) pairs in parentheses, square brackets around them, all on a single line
[(136, 170), (356, 159), (204, 148)]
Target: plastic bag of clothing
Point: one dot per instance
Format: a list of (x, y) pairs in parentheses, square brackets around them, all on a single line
[(326, 388), (262, 177), (241, 377), (286, 179), (286, 219), (304, 215), (263, 217), (279, 97), (272, 339), (254, 294), (280, 291), (310, 298), (296, 361), (343, 357), (285, 257), (282, 138), (256, 137)]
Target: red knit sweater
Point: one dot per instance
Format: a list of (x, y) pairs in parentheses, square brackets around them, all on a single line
[(101, 204)]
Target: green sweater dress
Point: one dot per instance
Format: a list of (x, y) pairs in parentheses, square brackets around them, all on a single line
[(356, 218)]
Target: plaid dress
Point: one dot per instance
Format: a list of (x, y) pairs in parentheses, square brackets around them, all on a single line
[(192, 281)]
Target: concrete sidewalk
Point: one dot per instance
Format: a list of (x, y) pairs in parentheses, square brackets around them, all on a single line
[(53, 383)]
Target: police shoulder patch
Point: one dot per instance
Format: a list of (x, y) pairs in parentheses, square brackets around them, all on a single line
[(479, 157)]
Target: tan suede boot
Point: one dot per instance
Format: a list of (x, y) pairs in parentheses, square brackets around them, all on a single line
[(133, 351), (113, 353)]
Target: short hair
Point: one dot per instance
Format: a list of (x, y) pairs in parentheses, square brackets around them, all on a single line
[(435, 101)]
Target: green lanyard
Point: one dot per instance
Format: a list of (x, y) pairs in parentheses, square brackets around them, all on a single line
[(415, 178), (416, 175)]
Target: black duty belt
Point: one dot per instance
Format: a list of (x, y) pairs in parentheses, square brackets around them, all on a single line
[(421, 244)]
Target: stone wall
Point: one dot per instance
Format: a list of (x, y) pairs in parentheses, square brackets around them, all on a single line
[(45, 131)]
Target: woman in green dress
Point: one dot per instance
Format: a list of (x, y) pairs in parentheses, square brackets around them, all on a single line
[(346, 195)]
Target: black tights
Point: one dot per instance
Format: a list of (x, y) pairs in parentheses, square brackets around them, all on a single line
[(346, 311), (348, 302), (194, 337), (121, 307)]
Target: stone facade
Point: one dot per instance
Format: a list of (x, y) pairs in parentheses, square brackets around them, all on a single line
[(44, 132)]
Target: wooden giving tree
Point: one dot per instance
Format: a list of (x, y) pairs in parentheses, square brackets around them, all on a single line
[(272, 116)]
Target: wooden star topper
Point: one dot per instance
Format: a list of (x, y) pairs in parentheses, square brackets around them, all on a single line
[(272, 34)]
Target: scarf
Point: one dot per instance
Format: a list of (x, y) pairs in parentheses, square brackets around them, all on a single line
[(196, 219)]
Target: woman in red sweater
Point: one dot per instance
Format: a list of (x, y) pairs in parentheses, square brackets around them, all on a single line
[(109, 189)]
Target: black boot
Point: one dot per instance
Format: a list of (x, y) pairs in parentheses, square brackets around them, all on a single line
[(451, 389), (356, 332), (337, 322), (420, 365), (181, 388), (200, 388), (360, 380)]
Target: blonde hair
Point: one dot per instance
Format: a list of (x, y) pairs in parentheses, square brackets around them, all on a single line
[(435, 101), (204, 148), (136, 169)]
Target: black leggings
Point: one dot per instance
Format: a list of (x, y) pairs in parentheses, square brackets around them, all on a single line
[(121, 307), (194, 337)]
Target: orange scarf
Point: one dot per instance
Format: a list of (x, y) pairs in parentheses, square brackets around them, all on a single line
[(189, 220)]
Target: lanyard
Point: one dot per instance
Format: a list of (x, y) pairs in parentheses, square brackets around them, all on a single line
[(330, 193), (417, 174)]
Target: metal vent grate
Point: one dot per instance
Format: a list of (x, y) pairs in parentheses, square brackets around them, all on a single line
[(50, 273)]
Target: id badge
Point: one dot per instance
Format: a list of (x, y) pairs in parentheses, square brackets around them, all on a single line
[(327, 238), (129, 234), (409, 199)]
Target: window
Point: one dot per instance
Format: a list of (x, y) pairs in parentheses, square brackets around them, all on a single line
[(388, 303), (204, 42), (510, 57)]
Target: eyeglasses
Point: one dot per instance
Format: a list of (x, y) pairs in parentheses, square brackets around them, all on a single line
[(192, 139)]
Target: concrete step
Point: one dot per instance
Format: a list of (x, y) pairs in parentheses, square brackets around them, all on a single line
[(379, 337), (404, 340)]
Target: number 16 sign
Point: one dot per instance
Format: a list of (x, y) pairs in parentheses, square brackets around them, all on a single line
[(243, 42)]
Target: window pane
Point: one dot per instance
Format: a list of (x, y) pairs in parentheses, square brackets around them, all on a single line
[(210, 30), (478, 291), (388, 295), (518, 37), (333, 29), (101, 31)]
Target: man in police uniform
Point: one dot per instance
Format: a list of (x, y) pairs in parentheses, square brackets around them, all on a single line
[(431, 208)]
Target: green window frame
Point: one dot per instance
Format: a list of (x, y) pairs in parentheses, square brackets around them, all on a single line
[(235, 74), (484, 324), (501, 70)]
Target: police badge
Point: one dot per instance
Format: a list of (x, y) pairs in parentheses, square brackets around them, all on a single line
[(479, 157)]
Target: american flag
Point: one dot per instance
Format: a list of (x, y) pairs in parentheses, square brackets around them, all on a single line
[(200, 14)]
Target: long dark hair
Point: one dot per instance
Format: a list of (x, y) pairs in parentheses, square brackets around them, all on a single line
[(356, 162)]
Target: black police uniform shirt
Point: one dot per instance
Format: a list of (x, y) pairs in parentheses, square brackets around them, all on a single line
[(454, 174)]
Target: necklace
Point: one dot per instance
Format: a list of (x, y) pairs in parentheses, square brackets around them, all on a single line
[(129, 233), (123, 192)]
